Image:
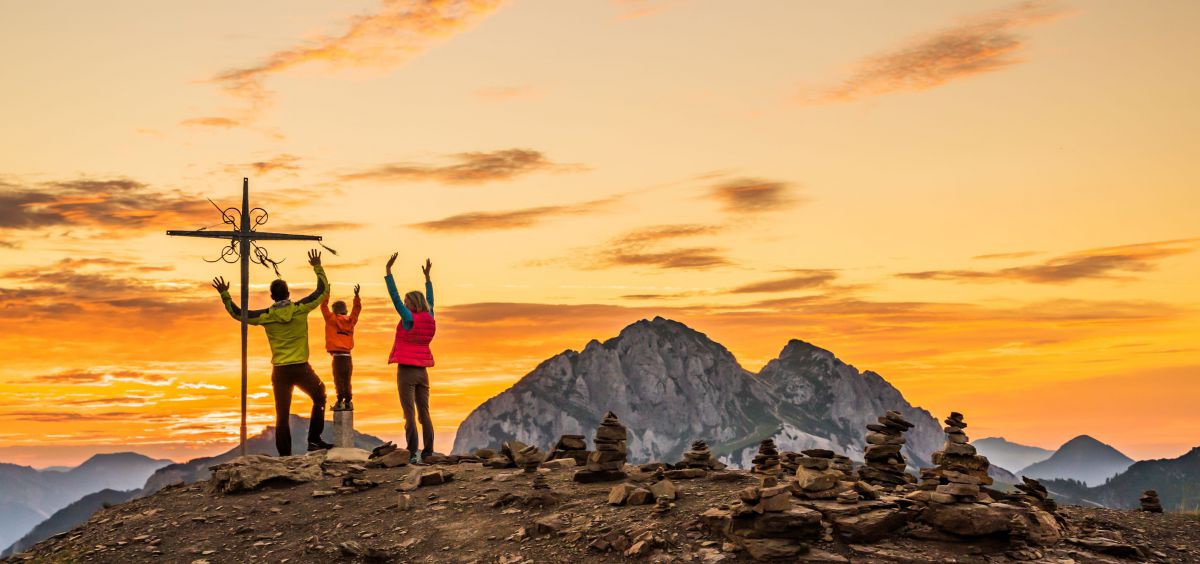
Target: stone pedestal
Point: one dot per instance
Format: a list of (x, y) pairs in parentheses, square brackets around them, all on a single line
[(343, 429)]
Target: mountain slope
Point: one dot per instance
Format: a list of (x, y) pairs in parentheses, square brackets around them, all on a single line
[(670, 385), (1082, 458), (1000, 451), (1177, 481), (28, 496), (196, 469), (69, 517)]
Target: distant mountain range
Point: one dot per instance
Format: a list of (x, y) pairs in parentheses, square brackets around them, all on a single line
[(1082, 458), (69, 517), (29, 496), (56, 500), (1008, 454), (1177, 481), (670, 385)]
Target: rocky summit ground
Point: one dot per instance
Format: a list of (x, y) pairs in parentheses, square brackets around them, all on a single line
[(353, 514)]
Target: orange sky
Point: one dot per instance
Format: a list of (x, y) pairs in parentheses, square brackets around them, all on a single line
[(992, 204)]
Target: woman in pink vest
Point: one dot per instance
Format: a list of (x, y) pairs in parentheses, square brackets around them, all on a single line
[(412, 356)]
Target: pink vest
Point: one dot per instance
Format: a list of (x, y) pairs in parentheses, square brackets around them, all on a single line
[(412, 345)]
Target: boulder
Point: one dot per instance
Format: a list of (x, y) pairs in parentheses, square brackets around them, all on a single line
[(640, 496), (398, 457), (559, 463), (619, 494), (249, 472), (664, 489), (870, 526), (811, 480), (347, 455), (970, 519)]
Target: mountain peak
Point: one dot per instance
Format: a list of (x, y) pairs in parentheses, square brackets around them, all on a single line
[(1083, 458)]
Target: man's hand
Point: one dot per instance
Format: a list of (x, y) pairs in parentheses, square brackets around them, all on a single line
[(220, 284), (314, 257), (392, 261), (426, 268), (356, 288)]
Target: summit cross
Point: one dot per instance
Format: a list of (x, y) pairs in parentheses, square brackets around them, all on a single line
[(242, 237)]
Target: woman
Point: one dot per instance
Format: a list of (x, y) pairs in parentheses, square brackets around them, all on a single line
[(412, 356)]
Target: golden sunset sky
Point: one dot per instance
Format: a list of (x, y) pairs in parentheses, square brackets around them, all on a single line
[(991, 204)]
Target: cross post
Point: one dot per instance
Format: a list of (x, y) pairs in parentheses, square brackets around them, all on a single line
[(241, 238)]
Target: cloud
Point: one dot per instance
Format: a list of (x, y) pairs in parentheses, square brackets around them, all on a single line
[(121, 206), (1017, 254), (283, 162), (397, 33), (751, 195), (798, 280), (470, 168), (1108, 263), (73, 287), (93, 378), (984, 43), (222, 122), (67, 416), (512, 219), (642, 247)]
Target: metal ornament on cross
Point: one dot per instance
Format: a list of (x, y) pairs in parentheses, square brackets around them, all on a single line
[(243, 249)]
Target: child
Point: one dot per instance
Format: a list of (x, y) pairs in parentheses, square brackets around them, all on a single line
[(412, 356), (339, 340)]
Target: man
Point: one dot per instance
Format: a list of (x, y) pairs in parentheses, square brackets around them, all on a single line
[(339, 341), (286, 324)]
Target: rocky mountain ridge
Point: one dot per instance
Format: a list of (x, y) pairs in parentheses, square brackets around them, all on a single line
[(672, 384)]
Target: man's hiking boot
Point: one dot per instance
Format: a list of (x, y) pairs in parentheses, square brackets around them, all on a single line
[(318, 445)]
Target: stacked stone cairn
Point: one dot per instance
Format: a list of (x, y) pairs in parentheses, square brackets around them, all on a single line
[(883, 462), (960, 470), (699, 456), (1034, 493), (816, 476), (766, 524), (606, 463), (767, 460), (571, 446), (1150, 503), (528, 458)]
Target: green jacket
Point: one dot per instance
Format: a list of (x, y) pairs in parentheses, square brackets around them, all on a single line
[(286, 322)]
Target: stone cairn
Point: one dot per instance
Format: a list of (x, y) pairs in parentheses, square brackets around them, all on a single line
[(528, 458), (883, 462), (1034, 493), (960, 470), (699, 456), (765, 523), (767, 460), (606, 462), (816, 476), (1149, 501), (540, 482), (571, 446)]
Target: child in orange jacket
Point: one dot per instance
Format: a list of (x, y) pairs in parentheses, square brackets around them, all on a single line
[(339, 341)]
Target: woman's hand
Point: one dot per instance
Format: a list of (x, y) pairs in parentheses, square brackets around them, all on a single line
[(392, 261), (425, 269)]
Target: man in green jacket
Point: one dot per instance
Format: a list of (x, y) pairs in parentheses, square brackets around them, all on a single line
[(286, 324)]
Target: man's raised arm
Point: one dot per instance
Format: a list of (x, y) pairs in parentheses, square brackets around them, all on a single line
[(311, 301), (253, 317)]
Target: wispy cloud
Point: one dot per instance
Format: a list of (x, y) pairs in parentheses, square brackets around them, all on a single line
[(126, 206), (97, 378), (283, 162), (512, 219), (1094, 264), (980, 44), (752, 195), (801, 279), (643, 247), (1000, 256), (400, 31), (468, 168)]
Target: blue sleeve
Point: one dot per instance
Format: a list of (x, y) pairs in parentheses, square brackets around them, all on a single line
[(429, 295), (398, 303)]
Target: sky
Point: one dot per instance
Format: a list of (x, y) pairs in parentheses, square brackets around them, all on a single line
[(991, 204)]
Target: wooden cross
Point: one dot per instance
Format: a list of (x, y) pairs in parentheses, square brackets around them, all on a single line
[(242, 237)]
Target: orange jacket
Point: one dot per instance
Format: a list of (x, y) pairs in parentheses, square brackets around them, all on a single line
[(339, 329)]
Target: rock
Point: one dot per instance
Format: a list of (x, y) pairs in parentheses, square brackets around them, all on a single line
[(559, 463), (870, 526), (818, 556), (430, 477), (249, 472), (772, 549), (551, 523), (969, 519), (640, 496), (619, 494), (816, 480), (397, 457), (664, 489), (1149, 502), (686, 474), (347, 455)]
